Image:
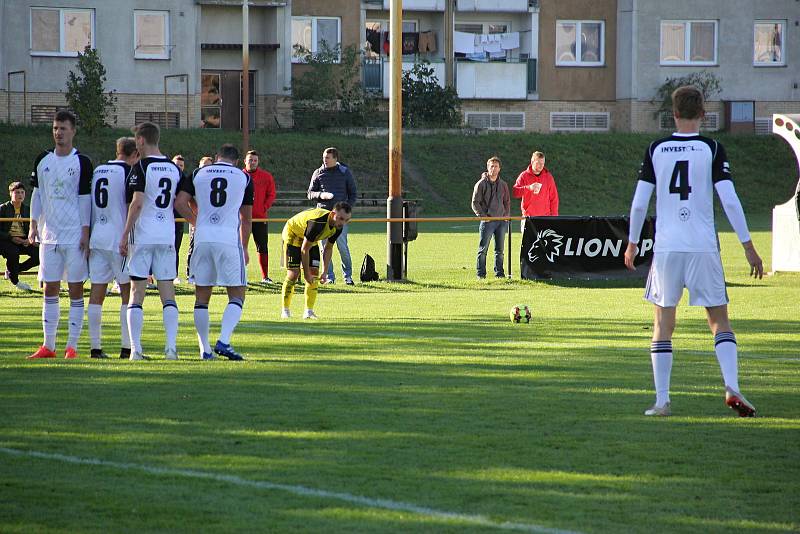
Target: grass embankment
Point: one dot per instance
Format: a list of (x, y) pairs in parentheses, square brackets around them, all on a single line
[(595, 173)]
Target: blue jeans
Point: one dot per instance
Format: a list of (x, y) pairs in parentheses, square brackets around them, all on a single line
[(344, 252), (487, 230)]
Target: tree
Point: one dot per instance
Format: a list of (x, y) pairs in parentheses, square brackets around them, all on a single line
[(706, 82), (86, 94), (425, 102)]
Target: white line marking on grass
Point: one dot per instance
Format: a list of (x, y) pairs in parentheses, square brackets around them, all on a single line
[(304, 491)]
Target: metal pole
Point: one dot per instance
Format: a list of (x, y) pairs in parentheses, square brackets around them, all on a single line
[(508, 256), (394, 204), (245, 76), (187, 103), (24, 95), (165, 101), (449, 56)]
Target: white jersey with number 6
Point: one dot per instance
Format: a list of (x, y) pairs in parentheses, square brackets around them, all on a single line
[(684, 169), (220, 190), (109, 209), (158, 178)]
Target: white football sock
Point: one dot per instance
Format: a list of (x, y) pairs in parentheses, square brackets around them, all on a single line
[(75, 322), (230, 318), (169, 315), (201, 322), (726, 349), (124, 336), (51, 312), (94, 314), (135, 321), (661, 359)]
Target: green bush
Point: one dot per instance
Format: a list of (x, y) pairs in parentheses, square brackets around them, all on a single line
[(425, 102), (707, 82)]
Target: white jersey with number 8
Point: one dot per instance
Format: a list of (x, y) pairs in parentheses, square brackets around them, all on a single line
[(220, 190)]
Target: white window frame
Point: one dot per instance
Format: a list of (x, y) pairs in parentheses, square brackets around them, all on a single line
[(167, 34), (687, 43), (61, 52), (578, 44), (314, 36), (782, 63)]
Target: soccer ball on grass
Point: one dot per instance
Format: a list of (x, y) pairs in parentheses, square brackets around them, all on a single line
[(520, 313)]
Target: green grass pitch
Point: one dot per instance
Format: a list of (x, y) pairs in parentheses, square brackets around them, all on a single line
[(410, 407)]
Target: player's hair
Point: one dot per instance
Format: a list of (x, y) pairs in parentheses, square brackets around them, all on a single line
[(688, 102), (64, 116), (13, 186), (344, 206), (148, 131), (495, 159), (208, 159), (537, 155), (251, 153), (229, 152), (126, 146), (178, 157), (333, 151)]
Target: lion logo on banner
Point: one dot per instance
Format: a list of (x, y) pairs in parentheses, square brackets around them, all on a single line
[(547, 245)]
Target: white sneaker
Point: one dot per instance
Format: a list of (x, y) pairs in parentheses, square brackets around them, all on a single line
[(309, 314), (137, 356), (22, 286), (171, 354), (115, 287), (177, 281), (659, 411), (286, 314)]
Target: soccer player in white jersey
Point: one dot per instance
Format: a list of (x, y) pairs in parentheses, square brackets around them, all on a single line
[(109, 213), (684, 170), (60, 214), (224, 197), (148, 239)]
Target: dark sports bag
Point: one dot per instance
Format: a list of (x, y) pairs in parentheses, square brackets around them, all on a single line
[(368, 272)]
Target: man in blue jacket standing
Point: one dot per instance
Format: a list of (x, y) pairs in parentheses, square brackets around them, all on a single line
[(332, 183)]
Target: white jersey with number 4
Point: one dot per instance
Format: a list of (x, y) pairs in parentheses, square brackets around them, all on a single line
[(220, 190), (684, 169), (109, 207), (158, 178)]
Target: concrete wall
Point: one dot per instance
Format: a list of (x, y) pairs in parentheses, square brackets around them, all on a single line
[(576, 83)]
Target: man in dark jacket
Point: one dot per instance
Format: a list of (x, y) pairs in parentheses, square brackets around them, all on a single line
[(14, 236), (490, 198), (332, 183)]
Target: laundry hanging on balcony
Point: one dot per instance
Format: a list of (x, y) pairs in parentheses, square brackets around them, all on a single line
[(464, 43), (410, 42)]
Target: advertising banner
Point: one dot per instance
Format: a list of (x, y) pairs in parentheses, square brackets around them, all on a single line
[(582, 247)]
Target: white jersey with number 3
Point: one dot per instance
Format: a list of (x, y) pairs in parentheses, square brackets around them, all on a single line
[(684, 169), (220, 190), (158, 178)]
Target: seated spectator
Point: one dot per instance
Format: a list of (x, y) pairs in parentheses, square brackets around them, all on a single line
[(14, 237)]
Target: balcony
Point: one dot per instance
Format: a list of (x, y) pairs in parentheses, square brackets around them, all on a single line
[(418, 5), (506, 6), (496, 80)]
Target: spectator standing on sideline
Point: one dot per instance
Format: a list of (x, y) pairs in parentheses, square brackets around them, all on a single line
[(684, 170), (537, 189), (178, 160), (224, 205), (330, 184), (109, 212), (490, 198), (263, 197), (61, 211), (301, 236), (148, 239), (14, 236)]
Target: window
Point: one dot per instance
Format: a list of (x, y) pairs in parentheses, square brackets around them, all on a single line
[(768, 49), (151, 34), (315, 35), (689, 42), (61, 32), (580, 43)]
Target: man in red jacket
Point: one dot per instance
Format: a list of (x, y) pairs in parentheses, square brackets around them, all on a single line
[(263, 197), (537, 189)]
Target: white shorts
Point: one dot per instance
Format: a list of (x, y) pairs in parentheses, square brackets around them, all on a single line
[(158, 260), (699, 272), (218, 264), (58, 262), (107, 265)]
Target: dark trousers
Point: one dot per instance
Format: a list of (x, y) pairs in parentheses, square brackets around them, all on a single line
[(12, 252), (178, 241), (259, 232)]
